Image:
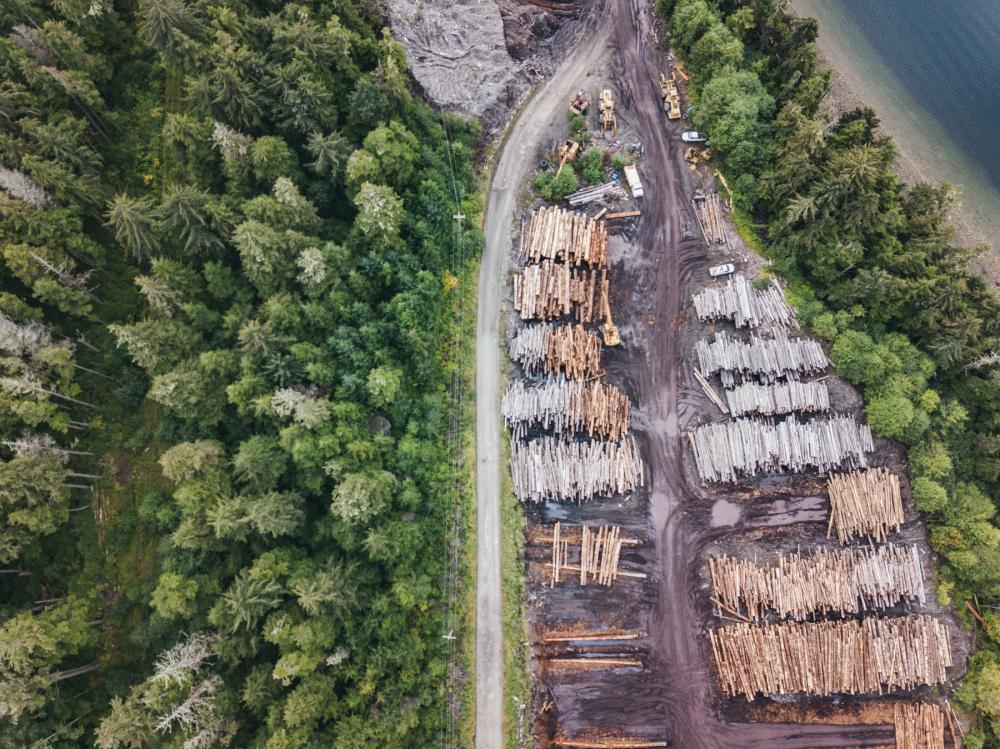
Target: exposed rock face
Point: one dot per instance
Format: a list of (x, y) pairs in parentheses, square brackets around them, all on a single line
[(458, 54)]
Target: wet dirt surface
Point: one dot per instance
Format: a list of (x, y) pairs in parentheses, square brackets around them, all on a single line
[(656, 263)]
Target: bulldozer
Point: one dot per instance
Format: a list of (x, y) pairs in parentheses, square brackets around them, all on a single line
[(611, 335), (607, 108), (671, 98), (579, 104)]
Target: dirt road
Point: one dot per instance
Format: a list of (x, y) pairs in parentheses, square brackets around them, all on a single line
[(674, 697), (664, 392), (516, 160)]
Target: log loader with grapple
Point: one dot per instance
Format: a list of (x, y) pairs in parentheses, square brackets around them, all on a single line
[(611, 335)]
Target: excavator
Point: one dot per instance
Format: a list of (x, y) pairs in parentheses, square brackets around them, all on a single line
[(611, 335), (567, 152)]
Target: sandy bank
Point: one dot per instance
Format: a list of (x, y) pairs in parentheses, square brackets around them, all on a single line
[(859, 78)]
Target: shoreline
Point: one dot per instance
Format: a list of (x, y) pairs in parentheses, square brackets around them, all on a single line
[(848, 91)]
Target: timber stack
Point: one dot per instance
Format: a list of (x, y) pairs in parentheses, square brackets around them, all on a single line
[(744, 447), (570, 350), (751, 399), (708, 211), (549, 290), (568, 407), (873, 655), (604, 740), (745, 305), (919, 726), (848, 581), (766, 359), (570, 237), (864, 503), (598, 558), (549, 468)]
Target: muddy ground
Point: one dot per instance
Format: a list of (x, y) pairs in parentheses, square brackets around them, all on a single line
[(657, 262)]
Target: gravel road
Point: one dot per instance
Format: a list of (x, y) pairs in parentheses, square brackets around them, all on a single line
[(515, 162)]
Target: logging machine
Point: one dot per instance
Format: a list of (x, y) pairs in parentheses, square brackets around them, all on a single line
[(611, 334)]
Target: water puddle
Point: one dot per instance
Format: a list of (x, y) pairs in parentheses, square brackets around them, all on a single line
[(725, 513)]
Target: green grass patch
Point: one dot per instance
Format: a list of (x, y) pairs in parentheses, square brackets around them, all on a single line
[(465, 615), (517, 674)]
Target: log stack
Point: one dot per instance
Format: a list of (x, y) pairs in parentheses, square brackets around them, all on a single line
[(745, 305), (751, 399), (549, 291), (864, 503), (766, 359), (919, 726), (551, 469), (568, 407), (746, 447), (599, 553), (708, 211), (553, 233), (873, 655), (850, 581), (570, 350)]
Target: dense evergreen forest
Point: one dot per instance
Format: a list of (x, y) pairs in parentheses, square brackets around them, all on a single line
[(872, 267), (228, 275)]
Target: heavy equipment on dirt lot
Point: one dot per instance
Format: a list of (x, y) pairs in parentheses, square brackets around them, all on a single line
[(568, 150), (611, 335), (579, 104), (696, 155), (607, 108), (671, 97)]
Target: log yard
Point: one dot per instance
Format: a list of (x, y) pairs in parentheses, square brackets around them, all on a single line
[(717, 550)]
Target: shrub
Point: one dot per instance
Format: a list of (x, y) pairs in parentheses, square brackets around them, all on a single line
[(619, 162), (551, 187), (591, 166)]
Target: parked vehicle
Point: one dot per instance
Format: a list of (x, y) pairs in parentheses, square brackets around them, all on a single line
[(693, 136), (721, 270), (632, 177)]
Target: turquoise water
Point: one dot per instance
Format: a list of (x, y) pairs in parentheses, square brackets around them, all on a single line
[(947, 54), (931, 70)]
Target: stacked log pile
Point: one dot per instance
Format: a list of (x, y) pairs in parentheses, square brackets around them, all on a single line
[(571, 237), (744, 447), (606, 742), (864, 503), (552, 469), (771, 400), (746, 306), (594, 635), (825, 658), (599, 553), (568, 407), (708, 211), (571, 350), (919, 726), (549, 290), (850, 581), (765, 358), (607, 191)]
